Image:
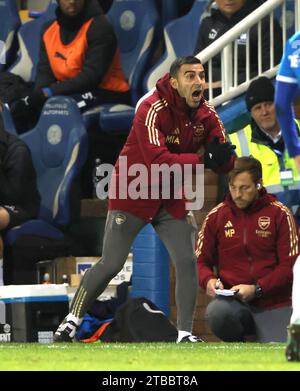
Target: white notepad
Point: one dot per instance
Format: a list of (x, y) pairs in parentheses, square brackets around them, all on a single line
[(225, 292)]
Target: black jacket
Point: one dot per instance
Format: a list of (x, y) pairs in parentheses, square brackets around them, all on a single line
[(102, 44), (17, 175), (214, 24)]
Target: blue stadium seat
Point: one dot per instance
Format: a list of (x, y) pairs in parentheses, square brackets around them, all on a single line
[(180, 40), (29, 36), (116, 119), (136, 24), (58, 145), (168, 10), (234, 114), (9, 24)]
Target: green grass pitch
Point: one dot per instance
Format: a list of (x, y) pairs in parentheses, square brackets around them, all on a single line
[(144, 357)]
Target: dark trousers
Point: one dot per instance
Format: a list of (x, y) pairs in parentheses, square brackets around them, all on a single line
[(121, 229), (233, 321)]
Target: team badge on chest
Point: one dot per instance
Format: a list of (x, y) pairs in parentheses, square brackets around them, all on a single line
[(263, 223), (198, 133)]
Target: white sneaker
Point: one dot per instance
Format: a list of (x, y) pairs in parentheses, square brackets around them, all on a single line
[(66, 331), (185, 336)]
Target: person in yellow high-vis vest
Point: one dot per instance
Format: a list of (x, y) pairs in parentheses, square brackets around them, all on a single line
[(263, 140)]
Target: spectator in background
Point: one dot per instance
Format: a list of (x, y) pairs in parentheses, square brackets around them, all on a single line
[(221, 16), (262, 139), (79, 57), (248, 244), (19, 197), (170, 127), (287, 87)]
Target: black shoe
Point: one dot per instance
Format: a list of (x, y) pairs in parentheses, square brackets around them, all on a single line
[(191, 338), (292, 351), (66, 331)]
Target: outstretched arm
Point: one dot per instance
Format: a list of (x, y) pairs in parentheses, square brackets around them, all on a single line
[(285, 93)]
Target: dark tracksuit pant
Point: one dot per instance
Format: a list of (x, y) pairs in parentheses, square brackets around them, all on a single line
[(121, 229), (234, 321)]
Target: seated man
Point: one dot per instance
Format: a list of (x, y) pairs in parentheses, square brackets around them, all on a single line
[(262, 139), (220, 17), (79, 57), (19, 196), (248, 245)]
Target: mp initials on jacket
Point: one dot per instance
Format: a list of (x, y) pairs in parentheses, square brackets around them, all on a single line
[(255, 245)]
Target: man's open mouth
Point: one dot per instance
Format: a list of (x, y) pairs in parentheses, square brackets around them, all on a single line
[(196, 95)]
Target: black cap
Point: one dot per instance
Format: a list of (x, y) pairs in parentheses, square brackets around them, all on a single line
[(259, 90)]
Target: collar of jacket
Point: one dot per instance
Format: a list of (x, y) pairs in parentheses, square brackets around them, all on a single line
[(91, 9), (263, 200), (258, 137)]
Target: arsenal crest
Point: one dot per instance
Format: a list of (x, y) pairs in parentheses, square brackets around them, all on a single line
[(264, 222), (198, 130), (198, 133)]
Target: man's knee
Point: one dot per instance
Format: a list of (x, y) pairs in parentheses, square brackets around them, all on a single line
[(186, 265), (224, 321), (109, 266)]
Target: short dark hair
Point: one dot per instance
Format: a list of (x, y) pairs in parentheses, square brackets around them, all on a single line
[(176, 64), (246, 164)]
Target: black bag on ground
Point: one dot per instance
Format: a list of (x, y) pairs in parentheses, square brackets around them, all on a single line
[(106, 309), (139, 320)]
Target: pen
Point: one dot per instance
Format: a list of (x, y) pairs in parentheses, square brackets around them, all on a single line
[(218, 282)]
